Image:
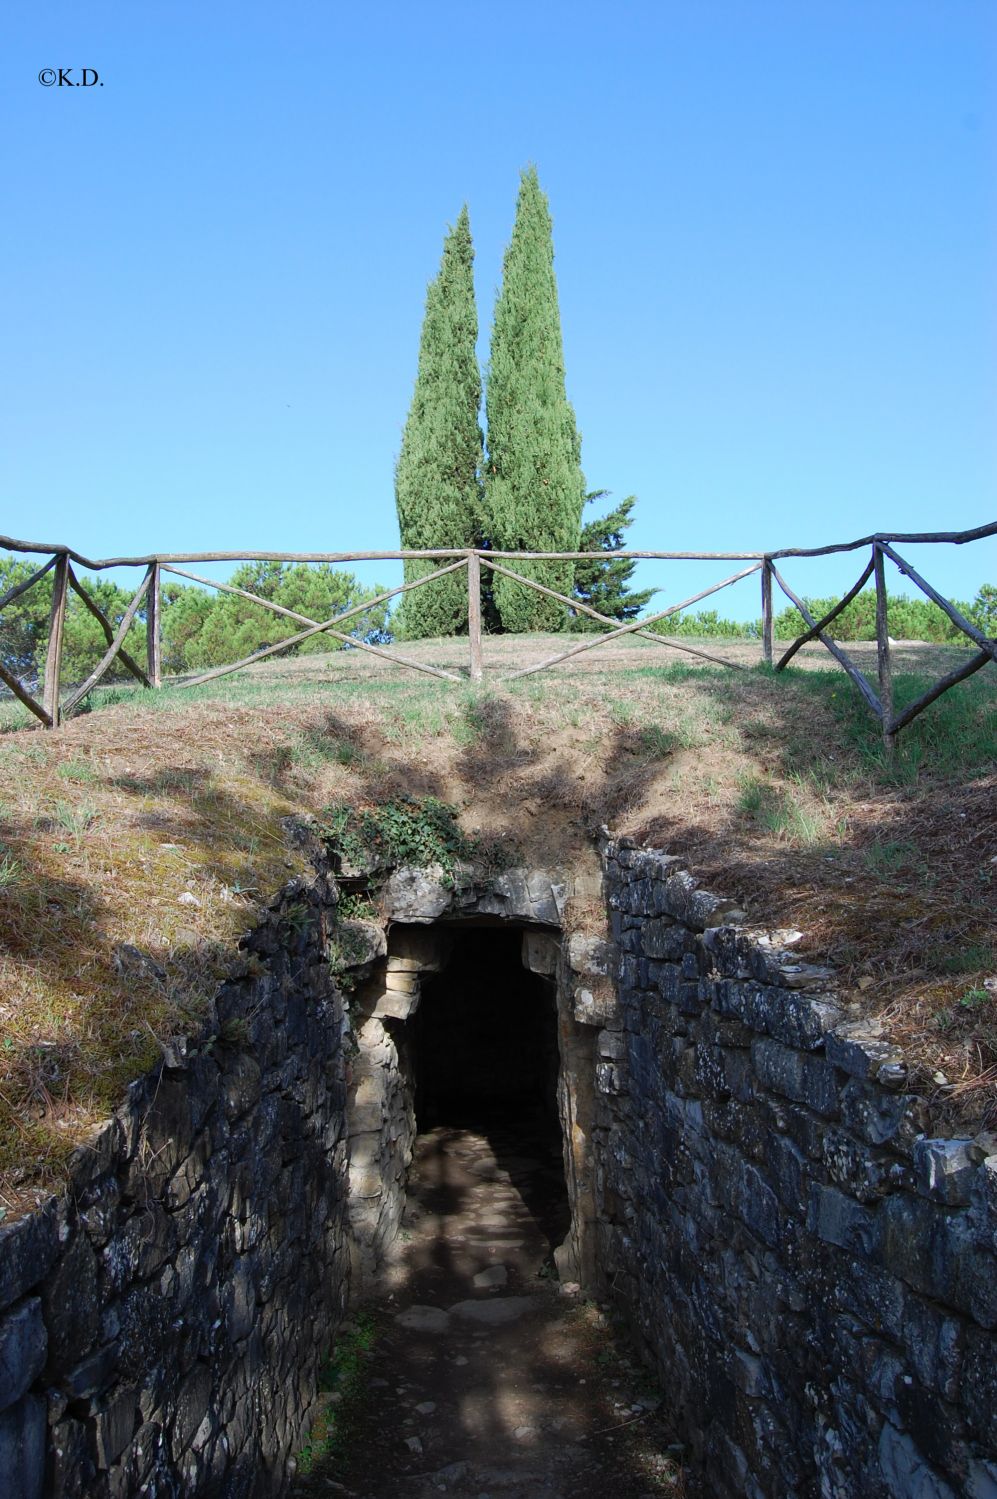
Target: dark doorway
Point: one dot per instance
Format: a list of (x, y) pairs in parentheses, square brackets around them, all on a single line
[(486, 1059)]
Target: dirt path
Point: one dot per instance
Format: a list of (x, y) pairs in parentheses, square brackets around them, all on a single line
[(485, 1376)]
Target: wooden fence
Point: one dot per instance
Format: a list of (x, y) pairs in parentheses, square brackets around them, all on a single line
[(54, 707)]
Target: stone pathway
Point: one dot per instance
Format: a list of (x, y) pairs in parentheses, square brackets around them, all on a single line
[(488, 1379)]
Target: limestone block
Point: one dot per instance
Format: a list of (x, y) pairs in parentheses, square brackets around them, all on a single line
[(366, 1117), (365, 1184), (540, 952), (70, 1301), (611, 1045), (589, 955), (419, 895), (399, 998), (841, 1220), (418, 951), (597, 1005), (366, 1150)]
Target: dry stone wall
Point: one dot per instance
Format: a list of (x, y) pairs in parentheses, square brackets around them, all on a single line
[(162, 1325), (813, 1273)]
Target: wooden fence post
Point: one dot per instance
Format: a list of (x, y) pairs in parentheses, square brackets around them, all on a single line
[(767, 651), (56, 628), (153, 629), (474, 613), (883, 650)]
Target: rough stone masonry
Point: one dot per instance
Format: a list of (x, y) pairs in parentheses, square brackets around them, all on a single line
[(812, 1272), (161, 1325)]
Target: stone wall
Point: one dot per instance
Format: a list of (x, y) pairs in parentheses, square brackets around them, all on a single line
[(162, 1325), (814, 1275)]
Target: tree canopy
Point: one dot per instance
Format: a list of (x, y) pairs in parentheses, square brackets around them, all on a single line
[(534, 487), (437, 476), (604, 583)]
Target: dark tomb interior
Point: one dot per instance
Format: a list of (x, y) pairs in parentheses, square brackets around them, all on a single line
[(485, 1058)]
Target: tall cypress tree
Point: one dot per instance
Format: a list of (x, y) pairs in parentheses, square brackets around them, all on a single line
[(437, 476), (534, 487)]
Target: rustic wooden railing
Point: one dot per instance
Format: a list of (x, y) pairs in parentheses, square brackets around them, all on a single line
[(53, 708)]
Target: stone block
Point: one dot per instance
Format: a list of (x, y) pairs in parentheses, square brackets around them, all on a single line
[(28, 1250), (858, 1048), (944, 1170), (397, 1001), (22, 1449), (805, 1079), (417, 895), (114, 1426), (596, 1004), (239, 1084), (852, 1164), (883, 1118), (540, 953), (70, 1304), (192, 1402), (662, 938), (840, 1220), (611, 1045), (799, 1020), (23, 1346), (93, 1376), (588, 955), (981, 1479), (698, 909), (905, 1471), (71, 1463)]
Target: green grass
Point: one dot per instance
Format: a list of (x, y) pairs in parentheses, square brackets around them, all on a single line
[(345, 1377)]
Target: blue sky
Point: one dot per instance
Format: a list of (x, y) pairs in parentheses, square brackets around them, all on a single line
[(775, 231)]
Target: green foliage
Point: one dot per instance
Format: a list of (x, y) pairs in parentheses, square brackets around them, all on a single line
[(534, 487), (200, 629), (437, 483), (708, 623), (408, 830), (232, 627), (344, 1375), (604, 585), (983, 610), (24, 626), (909, 619)]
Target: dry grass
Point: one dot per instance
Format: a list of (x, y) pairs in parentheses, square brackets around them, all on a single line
[(138, 841)]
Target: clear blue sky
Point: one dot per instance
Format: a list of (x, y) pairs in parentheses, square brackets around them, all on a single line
[(775, 230)]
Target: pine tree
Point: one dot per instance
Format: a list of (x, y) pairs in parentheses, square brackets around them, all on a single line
[(604, 585), (534, 486), (437, 476)]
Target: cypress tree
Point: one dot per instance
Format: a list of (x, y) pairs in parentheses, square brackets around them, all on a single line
[(437, 476), (534, 488)]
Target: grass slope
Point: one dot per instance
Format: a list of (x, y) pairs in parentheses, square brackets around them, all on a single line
[(139, 840)]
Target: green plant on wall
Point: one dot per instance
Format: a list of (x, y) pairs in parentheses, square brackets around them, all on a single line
[(408, 830)]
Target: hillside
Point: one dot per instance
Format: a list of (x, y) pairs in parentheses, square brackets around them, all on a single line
[(139, 841)]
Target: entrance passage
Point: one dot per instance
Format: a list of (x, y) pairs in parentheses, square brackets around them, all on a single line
[(484, 1048), (486, 1035)]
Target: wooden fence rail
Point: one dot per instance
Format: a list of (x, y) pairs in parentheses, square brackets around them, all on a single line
[(54, 708)]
